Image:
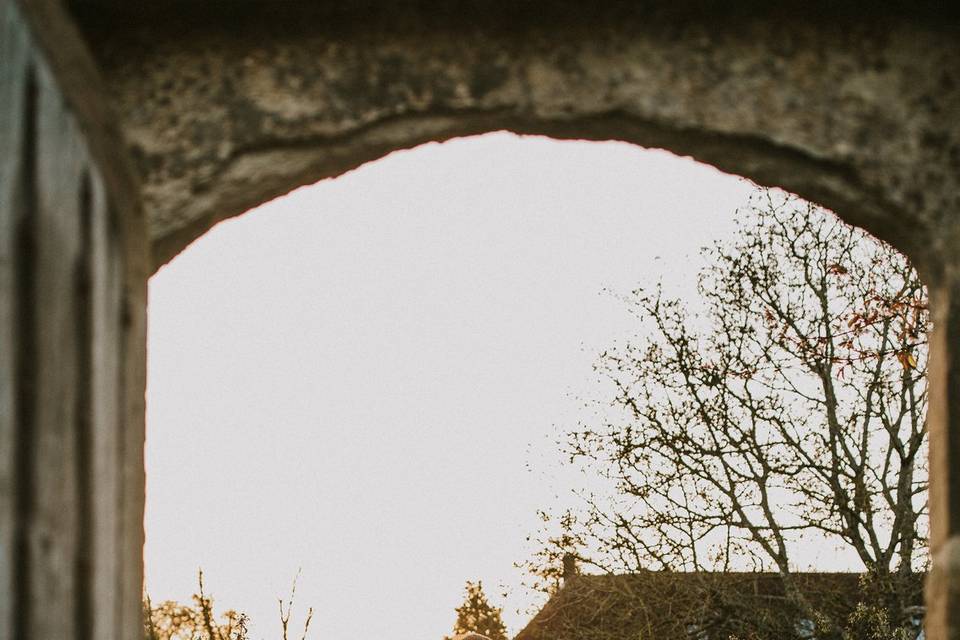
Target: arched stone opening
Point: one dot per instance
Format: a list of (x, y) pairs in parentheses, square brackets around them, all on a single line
[(225, 112), (225, 106), (856, 112)]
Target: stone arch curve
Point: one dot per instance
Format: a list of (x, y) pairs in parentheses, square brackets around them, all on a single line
[(224, 106), (225, 110)]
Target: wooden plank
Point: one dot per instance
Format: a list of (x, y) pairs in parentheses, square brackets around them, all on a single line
[(54, 518), (85, 423), (106, 266), (133, 357), (65, 516), (72, 344), (13, 52)]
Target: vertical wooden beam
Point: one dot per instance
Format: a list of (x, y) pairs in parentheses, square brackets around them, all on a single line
[(73, 272), (13, 83), (131, 404), (106, 411), (943, 422), (53, 520)]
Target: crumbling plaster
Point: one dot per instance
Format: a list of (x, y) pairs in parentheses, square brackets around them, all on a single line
[(227, 106)]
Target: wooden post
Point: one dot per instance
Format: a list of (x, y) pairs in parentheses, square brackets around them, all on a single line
[(72, 341), (943, 422)]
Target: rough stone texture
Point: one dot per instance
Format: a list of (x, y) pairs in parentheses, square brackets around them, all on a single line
[(224, 110)]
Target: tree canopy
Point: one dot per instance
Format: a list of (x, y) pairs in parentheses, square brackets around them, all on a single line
[(477, 615), (789, 406)]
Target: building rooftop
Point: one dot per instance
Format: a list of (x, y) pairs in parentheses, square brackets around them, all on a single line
[(694, 605)]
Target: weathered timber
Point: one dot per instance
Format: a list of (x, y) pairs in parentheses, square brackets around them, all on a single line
[(72, 303)]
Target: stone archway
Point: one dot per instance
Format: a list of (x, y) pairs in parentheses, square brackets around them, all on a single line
[(224, 107), (224, 110), (856, 112)]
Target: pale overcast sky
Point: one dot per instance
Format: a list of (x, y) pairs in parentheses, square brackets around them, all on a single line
[(364, 379)]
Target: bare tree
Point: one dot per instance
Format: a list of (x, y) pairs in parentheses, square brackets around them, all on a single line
[(171, 620), (792, 406), (174, 621)]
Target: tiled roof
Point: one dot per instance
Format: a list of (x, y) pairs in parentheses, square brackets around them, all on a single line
[(666, 605)]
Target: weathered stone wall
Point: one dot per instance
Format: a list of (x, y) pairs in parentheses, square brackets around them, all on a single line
[(226, 110)]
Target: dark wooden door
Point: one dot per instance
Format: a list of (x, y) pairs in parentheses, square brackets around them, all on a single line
[(72, 312)]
